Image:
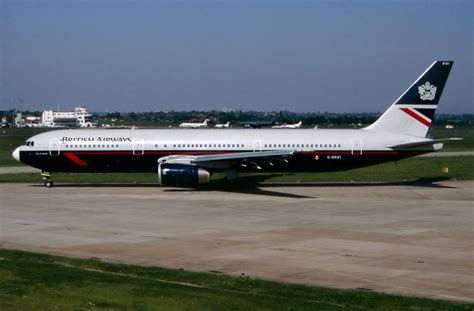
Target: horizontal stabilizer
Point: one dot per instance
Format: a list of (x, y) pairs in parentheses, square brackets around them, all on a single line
[(423, 143)]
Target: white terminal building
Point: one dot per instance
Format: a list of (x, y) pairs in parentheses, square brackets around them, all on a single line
[(80, 117)]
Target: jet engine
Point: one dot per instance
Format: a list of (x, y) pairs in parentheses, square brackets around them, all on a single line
[(181, 175)]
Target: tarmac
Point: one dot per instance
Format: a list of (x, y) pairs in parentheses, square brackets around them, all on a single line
[(412, 239)]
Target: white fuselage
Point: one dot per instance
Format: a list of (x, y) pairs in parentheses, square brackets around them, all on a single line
[(211, 140)]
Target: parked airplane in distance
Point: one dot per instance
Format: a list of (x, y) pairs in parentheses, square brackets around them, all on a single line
[(187, 158), (195, 125), (256, 124), (226, 125), (288, 126)]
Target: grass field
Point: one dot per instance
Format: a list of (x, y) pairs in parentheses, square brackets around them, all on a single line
[(430, 168), (31, 281), (12, 138)]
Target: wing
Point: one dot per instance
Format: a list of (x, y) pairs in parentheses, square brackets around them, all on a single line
[(227, 160)]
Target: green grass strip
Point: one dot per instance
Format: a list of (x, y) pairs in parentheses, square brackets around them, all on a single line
[(31, 281)]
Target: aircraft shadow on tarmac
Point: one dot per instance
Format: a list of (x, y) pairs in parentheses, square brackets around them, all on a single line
[(243, 185), (421, 182), (246, 185), (253, 184)]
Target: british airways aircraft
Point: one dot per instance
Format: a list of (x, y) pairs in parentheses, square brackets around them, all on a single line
[(187, 157)]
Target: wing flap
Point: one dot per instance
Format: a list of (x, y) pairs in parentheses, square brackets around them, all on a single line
[(241, 156), (226, 160)]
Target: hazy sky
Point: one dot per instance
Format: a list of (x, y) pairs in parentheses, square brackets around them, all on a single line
[(307, 56)]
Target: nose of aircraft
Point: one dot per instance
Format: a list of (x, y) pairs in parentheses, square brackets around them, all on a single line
[(16, 154)]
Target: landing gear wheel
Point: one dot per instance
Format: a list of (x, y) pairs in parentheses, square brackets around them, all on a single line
[(48, 184), (48, 181)]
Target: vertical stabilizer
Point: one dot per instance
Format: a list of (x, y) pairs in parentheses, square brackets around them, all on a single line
[(412, 113)]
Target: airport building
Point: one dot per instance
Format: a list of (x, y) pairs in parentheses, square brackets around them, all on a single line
[(80, 117)]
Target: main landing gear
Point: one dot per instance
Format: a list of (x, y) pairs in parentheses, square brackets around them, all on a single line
[(48, 181)]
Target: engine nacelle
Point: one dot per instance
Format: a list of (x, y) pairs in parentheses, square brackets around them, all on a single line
[(181, 175)]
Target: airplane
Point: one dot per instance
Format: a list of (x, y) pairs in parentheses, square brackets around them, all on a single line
[(195, 125), (226, 125), (256, 124), (288, 126), (187, 158)]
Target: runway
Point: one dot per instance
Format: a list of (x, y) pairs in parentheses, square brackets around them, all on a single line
[(410, 239)]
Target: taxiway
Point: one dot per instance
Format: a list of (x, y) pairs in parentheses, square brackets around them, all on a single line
[(410, 239)]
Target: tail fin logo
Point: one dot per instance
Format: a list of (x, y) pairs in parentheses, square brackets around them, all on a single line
[(427, 91)]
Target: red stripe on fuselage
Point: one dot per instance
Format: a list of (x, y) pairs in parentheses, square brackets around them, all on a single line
[(415, 116), (154, 152), (72, 154), (75, 159)]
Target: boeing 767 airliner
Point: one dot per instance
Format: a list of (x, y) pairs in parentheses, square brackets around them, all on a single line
[(187, 157)]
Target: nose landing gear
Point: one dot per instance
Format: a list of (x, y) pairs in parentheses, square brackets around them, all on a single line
[(48, 181)]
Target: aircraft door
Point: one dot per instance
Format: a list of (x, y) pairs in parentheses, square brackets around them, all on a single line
[(54, 146), (356, 146), (257, 145), (138, 146)]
